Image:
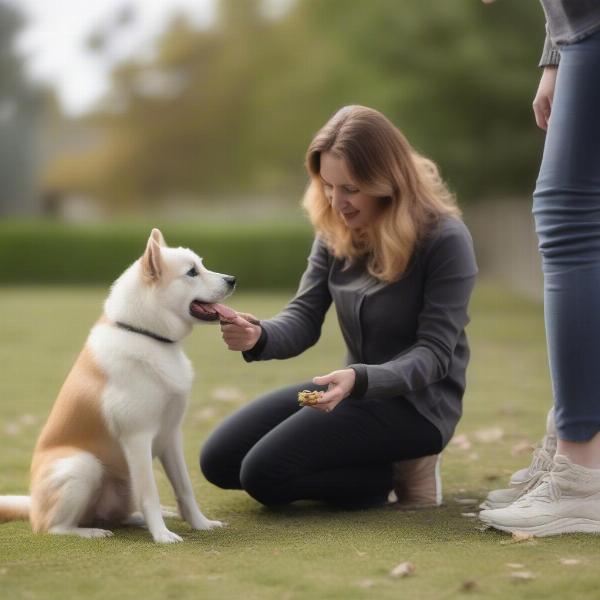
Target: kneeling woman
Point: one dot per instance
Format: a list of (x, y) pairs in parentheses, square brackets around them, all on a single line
[(393, 255)]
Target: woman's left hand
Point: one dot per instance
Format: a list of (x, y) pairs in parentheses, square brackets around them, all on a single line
[(341, 384)]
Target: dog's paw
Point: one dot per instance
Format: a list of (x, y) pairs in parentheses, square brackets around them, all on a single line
[(167, 537), (207, 524)]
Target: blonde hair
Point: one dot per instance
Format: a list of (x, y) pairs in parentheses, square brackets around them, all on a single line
[(383, 165)]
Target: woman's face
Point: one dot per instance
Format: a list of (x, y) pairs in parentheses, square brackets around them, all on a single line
[(356, 208)]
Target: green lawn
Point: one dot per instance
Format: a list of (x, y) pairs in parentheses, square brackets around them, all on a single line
[(304, 551)]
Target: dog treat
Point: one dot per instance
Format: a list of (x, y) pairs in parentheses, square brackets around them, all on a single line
[(308, 397)]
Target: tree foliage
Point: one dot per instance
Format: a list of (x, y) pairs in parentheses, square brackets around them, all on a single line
[(231, 108)]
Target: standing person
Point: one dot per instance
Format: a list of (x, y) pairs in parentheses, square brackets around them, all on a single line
[(562, 494), (393, 255)]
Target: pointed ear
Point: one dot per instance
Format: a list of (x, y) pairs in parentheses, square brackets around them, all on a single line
[(157, 236), (151, 262)]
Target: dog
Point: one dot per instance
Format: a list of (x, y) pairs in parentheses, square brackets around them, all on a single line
[(122, 404)]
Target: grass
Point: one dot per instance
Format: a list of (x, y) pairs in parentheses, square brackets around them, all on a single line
[(305, 551)]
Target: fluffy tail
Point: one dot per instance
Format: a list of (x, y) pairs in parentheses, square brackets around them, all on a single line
[(14, 508)]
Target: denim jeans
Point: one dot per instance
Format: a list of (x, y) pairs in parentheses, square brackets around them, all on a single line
[(566, 207)]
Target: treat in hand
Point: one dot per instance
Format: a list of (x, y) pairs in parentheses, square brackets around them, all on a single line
[(308, 397)]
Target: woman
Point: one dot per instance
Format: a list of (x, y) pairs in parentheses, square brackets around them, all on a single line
[(392, 254), (561, 492)]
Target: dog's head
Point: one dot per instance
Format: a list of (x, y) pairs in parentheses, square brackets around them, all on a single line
[(167, 290)]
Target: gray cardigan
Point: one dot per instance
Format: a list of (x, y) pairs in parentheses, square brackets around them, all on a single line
[(405, 340), (567, 21)]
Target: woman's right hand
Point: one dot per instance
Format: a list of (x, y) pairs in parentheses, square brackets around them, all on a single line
[(542, 103), (239, 333)]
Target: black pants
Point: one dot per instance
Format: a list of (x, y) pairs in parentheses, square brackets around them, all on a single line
[(278, 452)]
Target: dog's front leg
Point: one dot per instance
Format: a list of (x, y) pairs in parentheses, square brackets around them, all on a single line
[(138, 452), (174, 464)]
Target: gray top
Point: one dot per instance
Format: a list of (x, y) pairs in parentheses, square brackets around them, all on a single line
[(405, 340), (567, 21)]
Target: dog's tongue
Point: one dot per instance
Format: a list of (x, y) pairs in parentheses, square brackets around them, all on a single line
[(225, 312)]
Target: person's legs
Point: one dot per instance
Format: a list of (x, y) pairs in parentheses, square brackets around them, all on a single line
[(567, 215), (344, 457), (222, 453)]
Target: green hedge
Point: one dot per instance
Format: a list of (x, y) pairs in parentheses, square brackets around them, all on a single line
[(261, 256)]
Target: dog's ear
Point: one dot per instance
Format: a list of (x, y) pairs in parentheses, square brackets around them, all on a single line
[(151, 261), (157, 236)]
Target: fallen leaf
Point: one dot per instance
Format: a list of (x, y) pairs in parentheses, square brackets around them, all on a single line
[(366, 583), (205, 414), (462, 441), (523, 447), (522, 575), (490, 434), (570, 561), (522, 536), (466, 501), (468, 586), (403, 569), (474, 456), (28, 419), (359, 552), (12, 429), (470, 515), (515, 566), (228, 394)]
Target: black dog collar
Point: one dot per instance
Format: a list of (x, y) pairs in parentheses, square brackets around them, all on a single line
[(145, 332)]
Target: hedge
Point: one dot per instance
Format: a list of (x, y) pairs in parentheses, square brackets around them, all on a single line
[(262, 256)]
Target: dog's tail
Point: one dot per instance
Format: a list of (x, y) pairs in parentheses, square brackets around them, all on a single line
[(14, 508)]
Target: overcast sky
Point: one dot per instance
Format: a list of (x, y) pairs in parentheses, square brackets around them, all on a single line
[(55, 36)]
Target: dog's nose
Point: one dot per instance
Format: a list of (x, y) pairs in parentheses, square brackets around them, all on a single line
[(230, 280)]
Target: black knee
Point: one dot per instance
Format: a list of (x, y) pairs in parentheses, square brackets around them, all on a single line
[(216, 467), (257, 479)]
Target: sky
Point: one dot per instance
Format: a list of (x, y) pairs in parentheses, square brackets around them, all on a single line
[(54, 41)]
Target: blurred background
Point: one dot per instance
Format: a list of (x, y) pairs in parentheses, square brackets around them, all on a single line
[(194, 115)]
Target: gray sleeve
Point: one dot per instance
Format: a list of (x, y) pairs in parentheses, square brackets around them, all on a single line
[(450, 277), (550, 53), (298, 326)]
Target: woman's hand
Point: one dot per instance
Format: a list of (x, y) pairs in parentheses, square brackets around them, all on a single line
[(341, 384), (542, 103), (239, 334)]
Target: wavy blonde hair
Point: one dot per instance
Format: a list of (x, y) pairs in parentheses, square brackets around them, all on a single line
[(383, 165)]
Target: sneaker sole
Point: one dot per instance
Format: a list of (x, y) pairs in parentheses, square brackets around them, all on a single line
[(558, 527), (493, 505)]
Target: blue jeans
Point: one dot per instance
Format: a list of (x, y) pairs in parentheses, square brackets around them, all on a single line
[(566, 208)]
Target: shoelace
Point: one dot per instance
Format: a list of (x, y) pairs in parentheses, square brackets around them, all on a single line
[(547, 489)]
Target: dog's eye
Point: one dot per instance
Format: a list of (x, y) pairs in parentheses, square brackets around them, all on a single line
[(192, 272)]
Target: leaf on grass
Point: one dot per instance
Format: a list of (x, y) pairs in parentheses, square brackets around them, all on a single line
[(366, 583), (469, 515), (523, 447), (570, 561), (490, 434), (522, 536), (466, 501), (359, 552), (515, 566), (12, 429), (205, 414), (228, 394), (468, 586), (462, 441), (403, 569), (474, 456), (522, 576), (28, 419)]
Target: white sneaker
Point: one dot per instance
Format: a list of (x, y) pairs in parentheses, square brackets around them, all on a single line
[(566, 500), (526, 479)]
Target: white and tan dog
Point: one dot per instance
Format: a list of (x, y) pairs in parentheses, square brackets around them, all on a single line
[(122, 404)]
